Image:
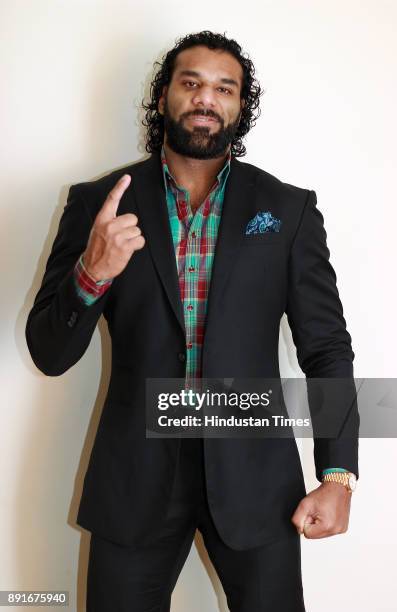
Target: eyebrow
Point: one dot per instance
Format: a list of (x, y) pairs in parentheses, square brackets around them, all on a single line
[(194, 73)]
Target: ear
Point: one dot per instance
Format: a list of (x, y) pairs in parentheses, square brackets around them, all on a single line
[(162, 100), (241, 110)]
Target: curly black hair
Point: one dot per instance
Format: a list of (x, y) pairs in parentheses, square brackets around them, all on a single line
[(250, 91)]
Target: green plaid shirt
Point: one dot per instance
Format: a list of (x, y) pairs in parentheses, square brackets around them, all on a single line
[(194, 237)]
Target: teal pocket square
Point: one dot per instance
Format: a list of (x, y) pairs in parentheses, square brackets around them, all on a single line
[(263, 222)]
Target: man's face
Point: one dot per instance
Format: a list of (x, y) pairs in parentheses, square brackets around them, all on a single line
[(202, 105)]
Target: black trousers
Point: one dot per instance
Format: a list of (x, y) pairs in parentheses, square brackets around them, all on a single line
[(129, 579)]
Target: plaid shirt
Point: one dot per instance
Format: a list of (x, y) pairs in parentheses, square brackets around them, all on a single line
[(87, 288), (194, 237)]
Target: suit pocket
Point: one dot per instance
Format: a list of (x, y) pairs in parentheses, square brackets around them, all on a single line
[(266, 238)]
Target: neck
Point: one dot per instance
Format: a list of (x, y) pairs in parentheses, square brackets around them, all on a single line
[(194, 173)]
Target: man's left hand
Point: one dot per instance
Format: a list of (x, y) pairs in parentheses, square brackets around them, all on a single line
[(323, 512)]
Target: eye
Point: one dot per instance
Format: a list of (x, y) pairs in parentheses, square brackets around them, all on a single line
[(228, 91)]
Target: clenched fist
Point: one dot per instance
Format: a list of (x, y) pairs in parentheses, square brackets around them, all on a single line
[(323, 512), (113, 239)]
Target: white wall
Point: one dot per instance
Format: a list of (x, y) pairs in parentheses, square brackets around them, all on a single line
[(73, 74)]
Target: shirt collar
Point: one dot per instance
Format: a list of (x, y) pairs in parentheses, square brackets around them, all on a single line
[(221, 176)]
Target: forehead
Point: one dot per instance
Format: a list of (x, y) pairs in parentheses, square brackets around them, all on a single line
[(209, 64)]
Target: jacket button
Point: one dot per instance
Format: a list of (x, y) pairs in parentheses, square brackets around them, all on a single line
[(72, 319), (181, 356)]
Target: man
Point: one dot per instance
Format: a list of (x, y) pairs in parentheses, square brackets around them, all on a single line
[(165, 250)]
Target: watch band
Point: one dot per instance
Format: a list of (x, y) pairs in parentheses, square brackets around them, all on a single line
[(347, 479)]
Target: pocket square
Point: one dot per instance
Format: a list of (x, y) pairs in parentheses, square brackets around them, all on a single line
[(263, 222)]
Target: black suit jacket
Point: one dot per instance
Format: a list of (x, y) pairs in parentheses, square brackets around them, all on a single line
[(253, 485)]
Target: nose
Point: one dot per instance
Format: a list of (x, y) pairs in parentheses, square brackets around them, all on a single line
[(204, 96)]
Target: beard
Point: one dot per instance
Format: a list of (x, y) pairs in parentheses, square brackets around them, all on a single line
[(198, 143)]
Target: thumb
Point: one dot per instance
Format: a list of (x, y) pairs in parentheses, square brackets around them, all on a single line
[(308, 525), (111, 204), (302, 516)]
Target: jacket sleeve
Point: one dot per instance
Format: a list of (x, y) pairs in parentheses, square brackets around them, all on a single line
[(323, 344), (60, 324)]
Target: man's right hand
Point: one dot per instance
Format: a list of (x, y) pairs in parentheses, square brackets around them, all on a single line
[(113, 239)]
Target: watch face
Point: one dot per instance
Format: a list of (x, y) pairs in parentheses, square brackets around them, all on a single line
[(352, 482)]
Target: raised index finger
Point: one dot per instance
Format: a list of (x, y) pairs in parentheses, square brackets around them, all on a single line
[(110, 206)]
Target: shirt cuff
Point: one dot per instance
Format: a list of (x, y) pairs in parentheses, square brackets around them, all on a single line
[(335, 469), (88, 289)]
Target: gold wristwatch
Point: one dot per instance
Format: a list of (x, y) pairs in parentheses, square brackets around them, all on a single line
[(347, 479)]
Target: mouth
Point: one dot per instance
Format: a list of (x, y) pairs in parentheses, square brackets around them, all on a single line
[(201, 120)]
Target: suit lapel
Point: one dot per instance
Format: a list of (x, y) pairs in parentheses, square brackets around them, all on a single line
[(147, 186), (238, 194)]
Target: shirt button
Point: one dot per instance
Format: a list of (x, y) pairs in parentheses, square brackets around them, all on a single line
[(193, 234), (190, 307), (191, 268), (181, 356), (189, 345)]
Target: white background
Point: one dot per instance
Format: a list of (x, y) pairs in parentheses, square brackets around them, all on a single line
[(73, 75)]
